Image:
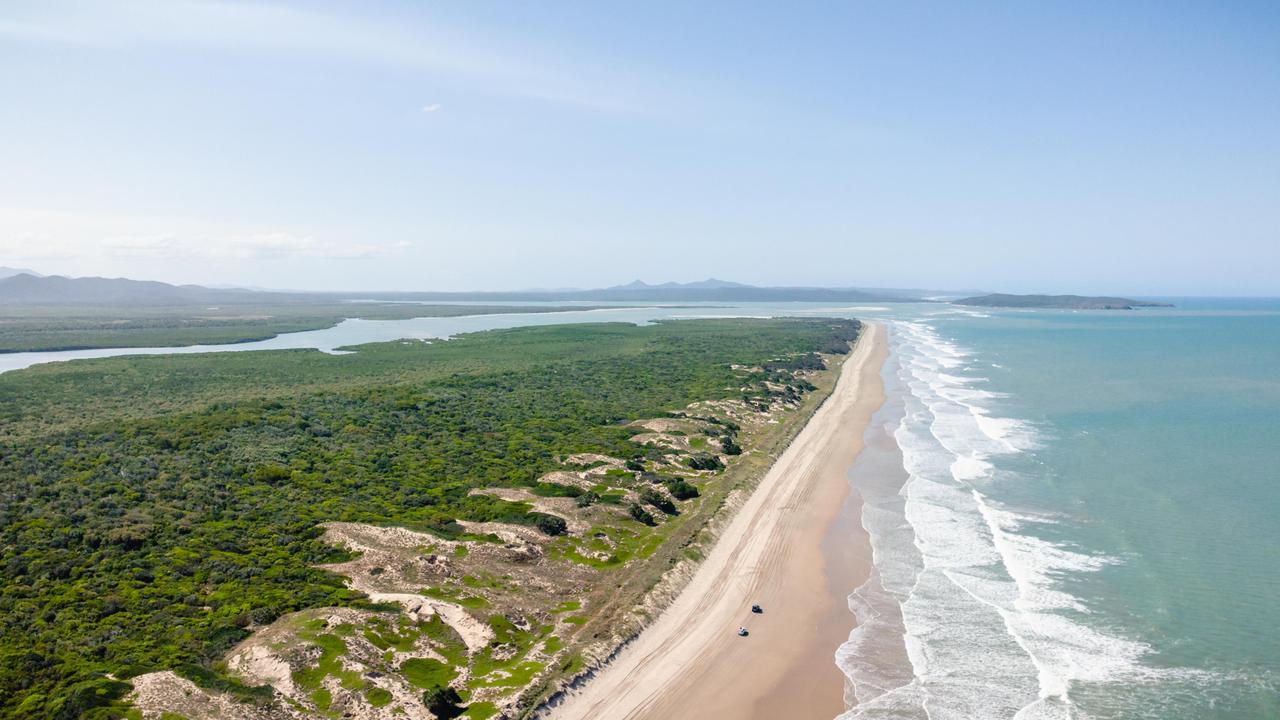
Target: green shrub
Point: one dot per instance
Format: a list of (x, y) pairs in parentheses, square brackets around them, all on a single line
[(551, 524), (730, 446), (443, 702), (641, 514), (86, 697), (263, 615), (705, 461), (544, 489), (680, 489), (658, 500)]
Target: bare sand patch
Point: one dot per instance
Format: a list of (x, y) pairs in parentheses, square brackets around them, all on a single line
[(589, 458), (157, 693)]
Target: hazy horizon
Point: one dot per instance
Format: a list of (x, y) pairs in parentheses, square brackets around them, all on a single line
[(652, 282), (323, 146)]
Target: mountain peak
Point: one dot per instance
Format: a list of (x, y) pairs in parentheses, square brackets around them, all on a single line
[(708, 284), (6, 272), (26, 289), (714, 283)]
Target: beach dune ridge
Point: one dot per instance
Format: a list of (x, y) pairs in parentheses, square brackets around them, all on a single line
[(690, 662)]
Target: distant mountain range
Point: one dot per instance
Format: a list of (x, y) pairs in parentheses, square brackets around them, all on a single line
[(638, 291), (24, 288), (30, 289), (1067, 302), (708, 284), (10, 272)]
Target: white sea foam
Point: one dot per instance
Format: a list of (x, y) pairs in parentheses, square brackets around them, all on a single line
[(981, 618)]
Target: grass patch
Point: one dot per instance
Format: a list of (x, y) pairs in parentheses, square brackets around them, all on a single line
[(484, 581), (480, 711), (445, 640), (427, 673), (378, 697), (332, 648), (322, 699), (567, 606), (509, 675)]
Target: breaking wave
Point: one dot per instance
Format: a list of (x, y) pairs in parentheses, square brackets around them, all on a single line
[(965, 615)]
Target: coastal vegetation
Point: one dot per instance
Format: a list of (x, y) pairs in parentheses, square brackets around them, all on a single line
[(450, 525), (25, 328)]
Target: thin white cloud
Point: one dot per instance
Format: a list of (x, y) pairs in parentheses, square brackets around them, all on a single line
[(142, 246), (239, 27), (433, 107), (253, 246), (280, 245), (40, 235)]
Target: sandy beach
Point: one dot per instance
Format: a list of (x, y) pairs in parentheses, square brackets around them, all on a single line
[(797, 548)]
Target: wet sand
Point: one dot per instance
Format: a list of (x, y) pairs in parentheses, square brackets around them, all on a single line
[(797, 548)]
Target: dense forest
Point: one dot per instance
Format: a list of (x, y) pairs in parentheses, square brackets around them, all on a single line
[(152, 509)]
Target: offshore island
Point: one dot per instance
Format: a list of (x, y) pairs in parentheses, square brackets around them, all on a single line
[(1064, 302)]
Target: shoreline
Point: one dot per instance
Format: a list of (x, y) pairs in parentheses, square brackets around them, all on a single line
[(874, 657), (797, 547)]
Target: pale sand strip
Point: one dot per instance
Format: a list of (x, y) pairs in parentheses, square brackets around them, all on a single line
[(690, 663)]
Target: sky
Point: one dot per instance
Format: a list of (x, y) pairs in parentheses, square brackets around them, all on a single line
[(1089, 147)]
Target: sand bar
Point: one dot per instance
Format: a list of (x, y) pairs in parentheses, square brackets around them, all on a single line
[(690, 662)]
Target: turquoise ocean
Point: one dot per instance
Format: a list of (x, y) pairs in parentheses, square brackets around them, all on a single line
[(1082, 516)]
